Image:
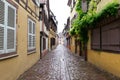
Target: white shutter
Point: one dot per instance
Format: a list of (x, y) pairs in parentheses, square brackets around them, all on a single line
[(11, 29), (2, 26), (33, 35), (2, 12), (29, 31)]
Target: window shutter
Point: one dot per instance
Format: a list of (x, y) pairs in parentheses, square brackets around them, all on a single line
[(11, 17), (29, 32), (95, 38), (11, 29), (2, 26), (30, 26), (2, 12), (110, 37), (34, 35)]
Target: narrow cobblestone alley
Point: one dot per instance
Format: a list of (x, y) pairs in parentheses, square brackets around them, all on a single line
[(60, 64)]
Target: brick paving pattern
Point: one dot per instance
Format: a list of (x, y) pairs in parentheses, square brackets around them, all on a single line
[(60, 64)]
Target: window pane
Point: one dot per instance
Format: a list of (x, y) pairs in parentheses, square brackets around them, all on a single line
[(30, 41), (33, 28), (11, 17), (1, 37), (30, 27), (33, 41), (10, 39), (2, 9)]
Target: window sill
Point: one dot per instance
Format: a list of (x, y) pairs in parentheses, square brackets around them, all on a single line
[(8, 57), (32, 51), (108, 51)]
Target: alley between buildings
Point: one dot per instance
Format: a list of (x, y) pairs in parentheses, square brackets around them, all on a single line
[(61, 64)]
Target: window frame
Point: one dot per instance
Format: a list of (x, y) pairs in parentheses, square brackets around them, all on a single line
[(13, 29), (33, 47), (8, 53), (108, 46)]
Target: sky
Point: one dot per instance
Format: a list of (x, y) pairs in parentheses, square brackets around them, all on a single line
[(61, 11)]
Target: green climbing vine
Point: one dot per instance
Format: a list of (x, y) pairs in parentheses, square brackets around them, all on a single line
[(88, 19)]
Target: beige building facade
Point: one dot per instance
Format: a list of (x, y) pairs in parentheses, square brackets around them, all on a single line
[(44, 28), (19, 37), (52, 31)]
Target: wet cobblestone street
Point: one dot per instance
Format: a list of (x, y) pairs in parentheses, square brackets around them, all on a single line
[(60, 64)]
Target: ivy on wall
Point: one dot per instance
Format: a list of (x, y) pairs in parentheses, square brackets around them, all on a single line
[(89, 19)]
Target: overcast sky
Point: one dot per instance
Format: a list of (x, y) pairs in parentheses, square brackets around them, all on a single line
[(61, 11)]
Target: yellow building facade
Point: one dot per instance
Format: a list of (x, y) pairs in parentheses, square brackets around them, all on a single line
[(26, 52), (73, 14), (106, 60)]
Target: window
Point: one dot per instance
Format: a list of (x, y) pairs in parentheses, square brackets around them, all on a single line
[(108, 38), (7, 27), (111, 37), (31, 34)]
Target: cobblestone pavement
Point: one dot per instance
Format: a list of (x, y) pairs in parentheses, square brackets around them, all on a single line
[(60, 64)]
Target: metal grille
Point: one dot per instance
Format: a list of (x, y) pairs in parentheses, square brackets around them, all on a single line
[(11, 17), (1, 37), (2, 12), (10, 39)]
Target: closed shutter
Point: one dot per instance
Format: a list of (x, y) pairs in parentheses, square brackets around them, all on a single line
[(95, 38), (11, 29), (2, 26), (110, 37), (34, 35), (31, 34)]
